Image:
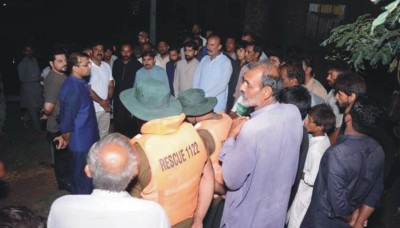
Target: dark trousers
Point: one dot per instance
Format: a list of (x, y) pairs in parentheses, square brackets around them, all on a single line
[(62, 162), (81, 184), (124, 123), (214, 213)]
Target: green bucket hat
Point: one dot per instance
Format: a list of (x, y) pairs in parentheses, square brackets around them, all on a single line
[(195, 102), (150, 99)]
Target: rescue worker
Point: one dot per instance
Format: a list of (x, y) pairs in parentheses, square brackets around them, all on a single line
[(174, 168), (199, 111)]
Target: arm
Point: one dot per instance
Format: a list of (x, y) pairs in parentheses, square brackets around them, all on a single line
[(69, 105), (144, 172), (51, 91), (364, 212), (371, 201), (336, 185), (103, 103), (206, 191), (222, 82), (48, 110), (237, 153), (196, 77), (176, 80), (111, 84), (110, 90), (139, 76)]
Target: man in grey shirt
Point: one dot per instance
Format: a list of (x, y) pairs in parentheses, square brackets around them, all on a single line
[(186, 68), (31, 90), (52, 85)]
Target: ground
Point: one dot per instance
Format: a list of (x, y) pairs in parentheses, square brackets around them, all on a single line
[(31, 180), (30, 176)]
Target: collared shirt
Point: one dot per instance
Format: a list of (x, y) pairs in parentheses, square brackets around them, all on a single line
[(213, 77), (105, 209), (184, 74), (100, 77), (77, 114), (155, 72), (52, 86), (259, 167), (161, 62), (350, 174)]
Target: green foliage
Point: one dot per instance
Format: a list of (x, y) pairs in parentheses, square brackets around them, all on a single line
[(368, 41)]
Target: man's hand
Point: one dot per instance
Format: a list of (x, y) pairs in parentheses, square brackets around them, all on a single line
[(44, 117), (106, 105), (237, 126), (62, 143)]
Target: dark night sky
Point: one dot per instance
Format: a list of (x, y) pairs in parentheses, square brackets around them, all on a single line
[(49, 22), (45, 23), (71, 19)]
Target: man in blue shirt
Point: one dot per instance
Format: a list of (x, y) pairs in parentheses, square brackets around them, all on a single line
[(150, 69), (213, 73), (350, 180), (78, 123)]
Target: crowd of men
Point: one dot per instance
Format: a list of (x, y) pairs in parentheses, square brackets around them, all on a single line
[(206, 137)]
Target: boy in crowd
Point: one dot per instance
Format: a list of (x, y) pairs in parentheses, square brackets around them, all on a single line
[(320, 121)]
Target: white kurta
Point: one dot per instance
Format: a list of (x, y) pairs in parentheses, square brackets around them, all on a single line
[(104, 209), (317, 148)]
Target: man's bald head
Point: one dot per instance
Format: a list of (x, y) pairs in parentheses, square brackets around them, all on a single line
[(114, 158), (111, 163)]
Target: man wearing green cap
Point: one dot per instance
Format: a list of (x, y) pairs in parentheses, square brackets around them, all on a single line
[(174, 169), (199, 111)]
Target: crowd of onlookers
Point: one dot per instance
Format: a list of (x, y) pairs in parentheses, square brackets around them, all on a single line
[(206, 134)]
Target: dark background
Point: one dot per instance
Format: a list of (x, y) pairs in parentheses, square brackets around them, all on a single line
[(73, 24)]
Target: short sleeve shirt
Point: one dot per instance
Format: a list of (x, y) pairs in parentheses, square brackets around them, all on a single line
[(52, 86)]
